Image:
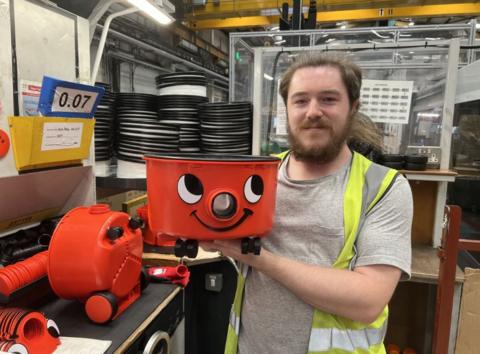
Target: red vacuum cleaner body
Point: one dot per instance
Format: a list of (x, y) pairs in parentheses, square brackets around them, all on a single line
[(208, 197), (95, 256)]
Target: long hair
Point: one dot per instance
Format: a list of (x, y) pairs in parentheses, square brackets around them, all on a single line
[(364, 136)]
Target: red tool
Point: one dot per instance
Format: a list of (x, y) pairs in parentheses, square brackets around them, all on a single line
[(95, 256), (179, 275), (207, 197), (27, 332)]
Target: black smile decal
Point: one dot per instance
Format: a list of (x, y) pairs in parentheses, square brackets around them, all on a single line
[(246, 214)]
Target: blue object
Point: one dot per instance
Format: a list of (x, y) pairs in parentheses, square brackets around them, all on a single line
[(68, 99)]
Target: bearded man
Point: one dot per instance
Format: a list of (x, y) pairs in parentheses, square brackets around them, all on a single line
[(341, 236)]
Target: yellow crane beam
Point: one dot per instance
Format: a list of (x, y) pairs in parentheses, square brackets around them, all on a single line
[(223, 8), (383, 13)]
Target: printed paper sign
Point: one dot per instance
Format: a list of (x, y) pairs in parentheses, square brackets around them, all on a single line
[(73, 100), (386, 101), (29, 97), (59, 136)]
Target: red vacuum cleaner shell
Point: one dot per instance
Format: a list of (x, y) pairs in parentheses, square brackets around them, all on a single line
[(208, 197), (95, 256)]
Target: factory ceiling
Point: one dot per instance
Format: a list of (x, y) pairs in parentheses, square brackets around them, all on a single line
[(238, 14)]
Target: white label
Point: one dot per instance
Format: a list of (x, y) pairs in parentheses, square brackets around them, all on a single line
[(386, 101), (58, 136), (72, 100), (281, 119)]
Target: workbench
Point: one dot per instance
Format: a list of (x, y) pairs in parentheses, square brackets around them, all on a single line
[(159, 308)]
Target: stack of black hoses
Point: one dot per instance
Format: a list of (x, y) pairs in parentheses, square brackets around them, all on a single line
[(139, 133), (226, 127), (179, 95), (404, 162), (104, 125)]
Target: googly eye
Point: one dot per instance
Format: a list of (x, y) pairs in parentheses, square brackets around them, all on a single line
[(253, 188), (18, 349), (52, 328), (190, 189)]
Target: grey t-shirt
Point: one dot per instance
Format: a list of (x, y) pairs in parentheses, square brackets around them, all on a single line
[(308, 227)]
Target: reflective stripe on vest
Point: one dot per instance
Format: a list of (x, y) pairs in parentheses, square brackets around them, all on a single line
[(231, 343), (330, 334), (350, 340)]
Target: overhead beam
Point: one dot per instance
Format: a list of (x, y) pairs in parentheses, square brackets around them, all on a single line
[(226, 8), (458, 9), (212, 9), (235, 22)]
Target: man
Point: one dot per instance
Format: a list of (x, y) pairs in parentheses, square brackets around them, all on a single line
[(341, 236)]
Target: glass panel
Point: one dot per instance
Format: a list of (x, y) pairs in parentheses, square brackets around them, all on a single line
[(336, 38), (465, 191), (466, 138), (242, 71), (425, 67), (422, 34), (417, 34)]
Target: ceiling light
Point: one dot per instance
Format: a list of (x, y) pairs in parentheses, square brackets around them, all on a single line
[(153, 11), (268, 77)]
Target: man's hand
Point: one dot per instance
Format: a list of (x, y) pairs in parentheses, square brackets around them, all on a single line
[(229, 248)]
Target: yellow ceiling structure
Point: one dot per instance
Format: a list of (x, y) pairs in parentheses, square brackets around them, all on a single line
[(248, 13)]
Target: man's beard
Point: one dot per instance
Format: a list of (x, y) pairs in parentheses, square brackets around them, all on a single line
[(319, 153)]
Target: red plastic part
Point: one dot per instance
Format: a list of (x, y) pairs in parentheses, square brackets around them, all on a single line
[(169, 214), (4, 143), (84, 261), (150, 237), (27, 329), (100, 309), (179, 275), (393, 349), (16, 276), (33, 333)]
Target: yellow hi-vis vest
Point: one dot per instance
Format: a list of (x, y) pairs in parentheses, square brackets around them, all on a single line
[(330, 334)]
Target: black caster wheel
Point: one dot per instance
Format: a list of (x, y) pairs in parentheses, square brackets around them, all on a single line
[(257, 245), (144, 278), (191, 247), (245, 245), (179, 248)]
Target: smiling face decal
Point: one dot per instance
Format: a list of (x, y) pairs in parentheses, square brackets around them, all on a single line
[(223, 205), (211, 199)]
